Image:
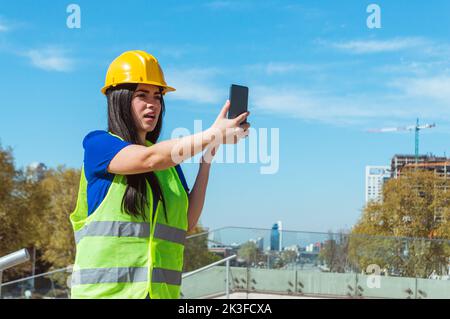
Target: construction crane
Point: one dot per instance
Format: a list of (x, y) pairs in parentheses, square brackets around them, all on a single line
[(416, 128)]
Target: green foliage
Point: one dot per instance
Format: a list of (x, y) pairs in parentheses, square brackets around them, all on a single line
[(196, 253), (288, 256), (415, 206), (56, 239), (18, 198), (9, 224), (35, 215), (8, 186), (334, 252), (248, 252)]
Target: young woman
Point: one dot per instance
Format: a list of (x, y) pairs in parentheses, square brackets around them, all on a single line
[(134, 207)]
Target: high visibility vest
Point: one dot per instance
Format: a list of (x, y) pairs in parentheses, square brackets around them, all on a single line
[(123, 256)]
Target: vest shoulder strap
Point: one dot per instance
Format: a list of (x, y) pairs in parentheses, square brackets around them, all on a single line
[(78, 216)]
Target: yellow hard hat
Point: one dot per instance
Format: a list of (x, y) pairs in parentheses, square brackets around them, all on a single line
[(135, 67)]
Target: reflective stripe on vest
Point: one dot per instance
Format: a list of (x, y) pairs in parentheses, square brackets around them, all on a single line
[(168, 233), (171, 277), (131, 229), (109, 275), (124, 274), (114, 228)]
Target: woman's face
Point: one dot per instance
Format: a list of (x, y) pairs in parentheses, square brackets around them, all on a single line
[(146, 107)]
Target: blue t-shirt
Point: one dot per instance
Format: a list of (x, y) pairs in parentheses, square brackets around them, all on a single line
[(100, 148)]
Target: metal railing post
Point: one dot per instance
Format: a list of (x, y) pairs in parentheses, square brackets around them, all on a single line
[(228, 279), (227, 269)]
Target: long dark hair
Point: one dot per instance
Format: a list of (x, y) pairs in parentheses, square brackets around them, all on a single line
[(121, 123)]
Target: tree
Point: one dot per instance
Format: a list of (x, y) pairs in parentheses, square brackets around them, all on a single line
[(249, 253), (196, 253), (17, 197), (288, 257), (11, 238), (56, 238), (8, 222), (412, 224), (34, 214), (335, 252)]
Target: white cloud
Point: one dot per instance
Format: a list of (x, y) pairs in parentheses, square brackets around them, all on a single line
[(8, 25), (272, 68), (307, 105), (194, 85), (50, 60), (400, 92), (398, 101), (356, 109), (436, 88), (378, 46)]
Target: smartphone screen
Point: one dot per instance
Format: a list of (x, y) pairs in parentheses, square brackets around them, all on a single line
[(238, 101)]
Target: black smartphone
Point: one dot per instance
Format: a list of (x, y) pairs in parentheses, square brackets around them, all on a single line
[(238, 101)]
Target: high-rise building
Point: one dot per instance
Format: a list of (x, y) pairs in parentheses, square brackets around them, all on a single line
[(275, 238), (280, 229), (399, 161), (376, 176)]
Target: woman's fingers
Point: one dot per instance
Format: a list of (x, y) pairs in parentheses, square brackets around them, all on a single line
[(225, 108), (245, 126), (228, 130), (240, 134), (241, 117)]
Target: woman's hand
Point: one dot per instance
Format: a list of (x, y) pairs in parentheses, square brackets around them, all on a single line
[(229, 131)]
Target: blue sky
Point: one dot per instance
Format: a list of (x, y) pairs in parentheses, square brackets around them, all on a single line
[(314, 69)]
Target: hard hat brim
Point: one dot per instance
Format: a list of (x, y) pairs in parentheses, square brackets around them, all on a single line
[(166, 88)]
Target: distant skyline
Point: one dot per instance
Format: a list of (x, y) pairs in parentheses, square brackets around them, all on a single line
[(316, 73)]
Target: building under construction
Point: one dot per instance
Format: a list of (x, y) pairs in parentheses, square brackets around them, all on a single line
[(440, 165)]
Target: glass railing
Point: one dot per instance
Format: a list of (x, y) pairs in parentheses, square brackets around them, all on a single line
[(295, 263), (322, 264), (50, 285), (326, 252), (220, 285)]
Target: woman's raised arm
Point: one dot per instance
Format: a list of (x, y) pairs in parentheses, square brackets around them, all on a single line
[(137, 159)]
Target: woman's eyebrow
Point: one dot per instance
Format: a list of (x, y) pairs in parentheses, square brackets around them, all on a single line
[(146, 91)]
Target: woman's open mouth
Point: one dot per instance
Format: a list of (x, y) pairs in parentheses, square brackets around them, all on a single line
[(149, 117)]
